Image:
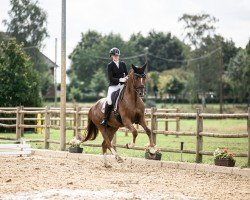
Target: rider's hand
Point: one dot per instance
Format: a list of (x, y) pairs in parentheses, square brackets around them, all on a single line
[(122, 80)]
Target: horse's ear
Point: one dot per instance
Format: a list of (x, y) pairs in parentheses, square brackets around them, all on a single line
[(144, 66), (134, 67)]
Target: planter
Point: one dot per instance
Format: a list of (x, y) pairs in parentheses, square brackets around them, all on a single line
[(156, 156), (224, 162), (75, 149)]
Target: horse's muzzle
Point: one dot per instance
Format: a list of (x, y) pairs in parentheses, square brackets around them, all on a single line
[(141, 91)]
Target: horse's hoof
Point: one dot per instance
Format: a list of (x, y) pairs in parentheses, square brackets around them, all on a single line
[(152, 150), (107, 166), (119, 159), (127, 145)]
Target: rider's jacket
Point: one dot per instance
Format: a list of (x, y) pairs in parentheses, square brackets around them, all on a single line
[(115, 72)]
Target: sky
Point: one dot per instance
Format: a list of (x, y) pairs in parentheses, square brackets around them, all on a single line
[(132, 16)]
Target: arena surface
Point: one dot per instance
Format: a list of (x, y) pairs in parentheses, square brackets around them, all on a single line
[(42, 177)]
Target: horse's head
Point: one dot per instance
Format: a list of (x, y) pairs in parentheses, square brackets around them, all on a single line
[(138, 75)]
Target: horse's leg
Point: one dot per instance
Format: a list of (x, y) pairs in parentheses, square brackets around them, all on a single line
[(128, 124), (108, 134), (142, 122), (104, 151), (111, 136)]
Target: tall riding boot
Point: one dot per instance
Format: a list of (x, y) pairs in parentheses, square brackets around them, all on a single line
[(108, 109)]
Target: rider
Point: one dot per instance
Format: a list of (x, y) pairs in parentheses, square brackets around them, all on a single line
[(117, 75)]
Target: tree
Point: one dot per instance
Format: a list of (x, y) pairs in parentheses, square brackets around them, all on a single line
[(197, 27), (28, 25), (239, 74), (174, 87), (92, 54), (162, 48), (27, 22), (99, 82), (74, 89), (153, 81), (19, 83)]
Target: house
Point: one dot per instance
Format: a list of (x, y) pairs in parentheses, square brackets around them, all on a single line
[(52, 67)]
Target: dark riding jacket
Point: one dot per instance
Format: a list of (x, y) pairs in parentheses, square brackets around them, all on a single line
[(115, 73)]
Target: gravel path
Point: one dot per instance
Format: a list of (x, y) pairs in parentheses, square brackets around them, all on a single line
[(38, 177)]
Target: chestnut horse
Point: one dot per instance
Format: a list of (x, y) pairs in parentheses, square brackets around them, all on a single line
[(131, 110)]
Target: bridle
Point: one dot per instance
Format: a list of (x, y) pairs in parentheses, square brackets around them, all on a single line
[(141, 87)]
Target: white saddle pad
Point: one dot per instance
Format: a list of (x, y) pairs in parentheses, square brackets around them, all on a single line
[(116, 103)]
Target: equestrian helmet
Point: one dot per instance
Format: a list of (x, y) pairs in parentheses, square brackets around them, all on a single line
[(114, 51)]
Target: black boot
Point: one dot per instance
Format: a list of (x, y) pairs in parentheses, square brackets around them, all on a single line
[(108, 109)]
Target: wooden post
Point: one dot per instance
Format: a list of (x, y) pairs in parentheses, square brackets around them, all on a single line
[(177, 121), (63, 80), (47, 127), (153, 124), (166, 123), (199, 125), (18, 121), (22, 120), (248, 131), (78, 121), (75, 121)]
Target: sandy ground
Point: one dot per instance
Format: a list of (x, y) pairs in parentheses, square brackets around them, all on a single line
[(39, 177)]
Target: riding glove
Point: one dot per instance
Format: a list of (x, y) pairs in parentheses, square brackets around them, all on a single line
[(122, 80)]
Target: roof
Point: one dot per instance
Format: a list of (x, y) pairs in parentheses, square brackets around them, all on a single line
[(48, 61)]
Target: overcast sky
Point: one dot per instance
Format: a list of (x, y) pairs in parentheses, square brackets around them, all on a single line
[(130, 16)]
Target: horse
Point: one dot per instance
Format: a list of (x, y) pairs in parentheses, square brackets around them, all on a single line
[(131, 109)]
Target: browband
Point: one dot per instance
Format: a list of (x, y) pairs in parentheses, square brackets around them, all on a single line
[(141, 75)]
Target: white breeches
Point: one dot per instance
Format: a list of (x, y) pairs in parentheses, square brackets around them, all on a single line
[(112, 89)]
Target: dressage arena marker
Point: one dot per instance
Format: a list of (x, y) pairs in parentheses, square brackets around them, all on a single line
[(15, 149)]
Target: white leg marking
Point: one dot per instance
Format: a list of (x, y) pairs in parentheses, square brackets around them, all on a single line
[(105, 159), (131, 145), (113, 151)]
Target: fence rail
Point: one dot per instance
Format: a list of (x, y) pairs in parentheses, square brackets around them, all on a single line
[(77, 120)]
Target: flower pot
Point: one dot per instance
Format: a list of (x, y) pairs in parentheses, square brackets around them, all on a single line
[(75, 149), (224, 162), (156, 156)]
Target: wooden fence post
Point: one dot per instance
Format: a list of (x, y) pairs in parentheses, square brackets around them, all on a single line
[(78, 121), (177, 125), (248, 131), (22, 121), (199, 128), (75, 121), (166, 122), (18, 121), (177, 121), (153, 123), (47, 127)]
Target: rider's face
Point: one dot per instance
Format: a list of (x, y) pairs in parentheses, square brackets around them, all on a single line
[(115, 58)]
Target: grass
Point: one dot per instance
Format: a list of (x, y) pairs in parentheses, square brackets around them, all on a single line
[(236, 145)]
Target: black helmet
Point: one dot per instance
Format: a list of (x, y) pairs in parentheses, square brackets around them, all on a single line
[(114, 51)]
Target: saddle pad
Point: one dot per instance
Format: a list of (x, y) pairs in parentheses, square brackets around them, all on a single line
[(116, 102)]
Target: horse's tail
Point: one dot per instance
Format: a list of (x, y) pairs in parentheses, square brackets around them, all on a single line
[(92, 131)]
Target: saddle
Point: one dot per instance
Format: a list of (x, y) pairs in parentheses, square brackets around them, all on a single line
[(115, 97)]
